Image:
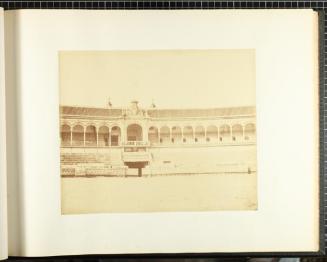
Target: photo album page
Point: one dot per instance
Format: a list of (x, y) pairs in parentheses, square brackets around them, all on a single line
[(161, 131)]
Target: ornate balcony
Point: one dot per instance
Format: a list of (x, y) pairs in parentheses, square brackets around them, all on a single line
[(136, 143), (136, 156)]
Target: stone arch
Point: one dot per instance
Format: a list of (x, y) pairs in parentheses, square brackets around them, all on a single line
[(249, 131), (65, 134), (164, 134), (224, 133), (176, 134), (199, 134), (237, 132), (212, 133), (188, 134), (153, 135), (78, 135), (134, 132), (91, 135), (103, 136), (115, 136)]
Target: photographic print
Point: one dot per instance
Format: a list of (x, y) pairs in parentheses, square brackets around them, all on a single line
[(157, 130)]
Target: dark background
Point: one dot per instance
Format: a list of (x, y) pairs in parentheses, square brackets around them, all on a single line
[(320, 6)]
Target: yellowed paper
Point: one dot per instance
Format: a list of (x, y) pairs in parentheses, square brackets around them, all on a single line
[(285, 101), (187, 143)]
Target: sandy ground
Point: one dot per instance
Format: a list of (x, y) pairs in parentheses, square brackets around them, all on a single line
[(163, 193)]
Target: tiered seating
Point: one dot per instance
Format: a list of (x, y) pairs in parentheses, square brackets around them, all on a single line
[(202, 161), (71, 159), (92, 164), (163, 161), (115, 158)]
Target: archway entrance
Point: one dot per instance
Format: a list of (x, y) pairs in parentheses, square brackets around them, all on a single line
[(115, 136), (134, 133)]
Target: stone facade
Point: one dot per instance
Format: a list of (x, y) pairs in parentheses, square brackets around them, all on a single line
[(128, 141)]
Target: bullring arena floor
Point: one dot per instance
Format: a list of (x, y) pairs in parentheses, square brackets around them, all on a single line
[(200, 192)]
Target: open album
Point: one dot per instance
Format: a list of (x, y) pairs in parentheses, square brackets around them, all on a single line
[(159, 131)]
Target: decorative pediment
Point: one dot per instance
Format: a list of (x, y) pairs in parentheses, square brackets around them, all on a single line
[(134, 111)]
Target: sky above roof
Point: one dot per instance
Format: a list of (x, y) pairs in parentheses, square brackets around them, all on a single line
[(169, 78)]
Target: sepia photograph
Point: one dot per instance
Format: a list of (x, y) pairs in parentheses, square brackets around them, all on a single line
[(158, 130)]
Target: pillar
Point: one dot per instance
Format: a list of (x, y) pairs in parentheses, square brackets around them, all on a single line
[(123, 134), (170, 135), (71, 136), (243, 129), (193, 134), (97, 130), (84, 135), (145, 136)]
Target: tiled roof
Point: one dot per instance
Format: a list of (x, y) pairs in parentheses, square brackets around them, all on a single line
[(201, 112), (159, 113), (88, 111)]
